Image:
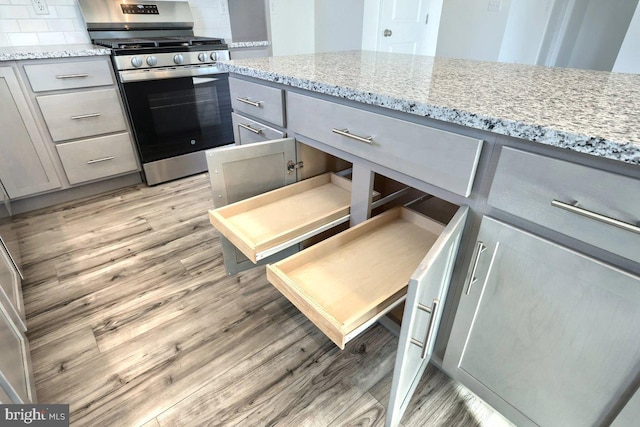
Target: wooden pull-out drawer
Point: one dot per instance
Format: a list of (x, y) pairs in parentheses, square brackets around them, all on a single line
[(263, 102), (247, 131), (69, 75), (82, 114), (597, 207), (97, 157), (348, 281), (444, 159), (261, 225)]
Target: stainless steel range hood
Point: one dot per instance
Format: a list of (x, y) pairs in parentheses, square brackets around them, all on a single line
[(114, 15)]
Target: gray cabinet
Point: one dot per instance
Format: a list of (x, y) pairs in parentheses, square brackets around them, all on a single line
[(544, 334), (16, 379), (25, 165)]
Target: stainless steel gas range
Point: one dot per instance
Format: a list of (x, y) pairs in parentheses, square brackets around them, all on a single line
[(177, 99)]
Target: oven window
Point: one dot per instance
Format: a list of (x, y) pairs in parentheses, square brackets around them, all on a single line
[(179, 116)]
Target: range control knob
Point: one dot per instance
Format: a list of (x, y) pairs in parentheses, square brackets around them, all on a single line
[(136, 62), (152, 61), (178, 59), (202, 57), (214, 56)]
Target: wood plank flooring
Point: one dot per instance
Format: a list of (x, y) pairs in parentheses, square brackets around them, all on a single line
[(133, 322)]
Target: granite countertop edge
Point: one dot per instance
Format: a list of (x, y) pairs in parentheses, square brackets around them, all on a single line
[(51, 52), (250, 44), (616, 150)]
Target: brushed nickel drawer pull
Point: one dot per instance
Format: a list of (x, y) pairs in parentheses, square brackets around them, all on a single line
[(574, 207), (103, 159), (480, 247), (345, 132), (250, 102), (433, 310), (71, 76), (250, 129), (85, 116)]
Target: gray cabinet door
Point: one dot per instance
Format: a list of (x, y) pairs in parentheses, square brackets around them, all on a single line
[(423, 309), (11, 288), (25, 165), (15, 364), (240, 172), (544, 334)]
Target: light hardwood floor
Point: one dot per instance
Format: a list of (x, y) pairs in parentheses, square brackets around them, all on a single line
[(133, 321)]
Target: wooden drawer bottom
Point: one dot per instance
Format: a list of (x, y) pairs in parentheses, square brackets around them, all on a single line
[(347, 282)]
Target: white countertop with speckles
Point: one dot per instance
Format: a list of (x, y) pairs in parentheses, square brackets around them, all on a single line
[(20, 53), (588, 111)]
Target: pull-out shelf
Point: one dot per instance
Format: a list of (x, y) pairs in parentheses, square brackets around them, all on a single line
[(265, 224), (347, 282)]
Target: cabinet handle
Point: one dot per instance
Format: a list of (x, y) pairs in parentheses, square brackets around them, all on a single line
[(433, 310), (250, 129), (480, 247), (103, 159), (85, 116), (71, 76), (345, 132), (250, 102), (596, 216)]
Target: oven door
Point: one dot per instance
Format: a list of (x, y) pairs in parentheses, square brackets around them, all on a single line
[(181, 115)]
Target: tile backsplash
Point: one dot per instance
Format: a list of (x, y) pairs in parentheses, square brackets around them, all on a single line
[(20, 26)]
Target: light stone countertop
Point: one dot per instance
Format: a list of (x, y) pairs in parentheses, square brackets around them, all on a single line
[(20, 53), (591, 112)]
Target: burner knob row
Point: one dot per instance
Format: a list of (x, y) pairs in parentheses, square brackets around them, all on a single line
[(178, 59), (152, 61), (202, 57)]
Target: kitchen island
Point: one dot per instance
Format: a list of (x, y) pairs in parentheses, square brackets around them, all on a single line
[(553, 212)]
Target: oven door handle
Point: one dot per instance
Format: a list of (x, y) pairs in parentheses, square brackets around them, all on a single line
[(128, 76), (203, 80)]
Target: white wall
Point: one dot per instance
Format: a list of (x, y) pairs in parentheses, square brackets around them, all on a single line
[(628, 60), (469, 30), (20, 26), (525, 30), (371, 12), (338, 25), (292, 27)]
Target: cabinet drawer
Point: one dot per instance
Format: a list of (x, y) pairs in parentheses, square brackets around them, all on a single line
[(97, 158), (444, 159), (259, 225), (526, 184), (259, 101), (69, 75), (348, 281), (81, 114), (247, 131)]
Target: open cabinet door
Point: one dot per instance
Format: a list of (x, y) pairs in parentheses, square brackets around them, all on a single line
[(423, 309), (240, 172)]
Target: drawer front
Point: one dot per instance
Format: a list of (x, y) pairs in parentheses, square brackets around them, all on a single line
[(69, 75), (97, 158), (82, 114), (526, 184), (444, 159), (247, 131), (259, 101)]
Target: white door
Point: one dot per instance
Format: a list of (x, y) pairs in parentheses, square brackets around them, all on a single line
[(403, 24)]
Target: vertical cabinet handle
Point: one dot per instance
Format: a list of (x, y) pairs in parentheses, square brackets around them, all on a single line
[(433, 310), (480, 248), (576, 209)]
